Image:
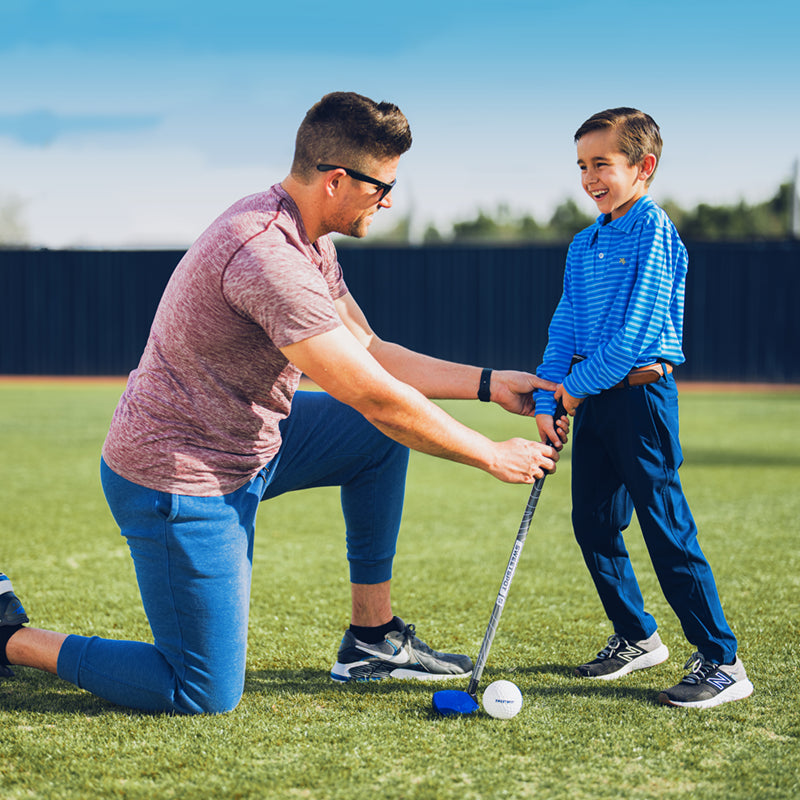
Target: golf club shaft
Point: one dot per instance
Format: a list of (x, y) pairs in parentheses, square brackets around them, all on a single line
[(522, 533), (499, 604)]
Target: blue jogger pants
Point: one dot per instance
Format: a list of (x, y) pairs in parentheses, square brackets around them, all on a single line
[(193, 559)]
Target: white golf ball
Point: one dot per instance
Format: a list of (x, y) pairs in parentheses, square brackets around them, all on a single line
[(502, 700)]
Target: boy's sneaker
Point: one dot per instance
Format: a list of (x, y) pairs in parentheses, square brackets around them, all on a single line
[(620, 656), (11, 610), (708, 684), (400, 655)]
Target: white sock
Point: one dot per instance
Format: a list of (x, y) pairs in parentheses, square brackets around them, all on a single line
[(5, 584)]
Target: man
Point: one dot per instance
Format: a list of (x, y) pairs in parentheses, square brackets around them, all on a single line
[(211, 424)]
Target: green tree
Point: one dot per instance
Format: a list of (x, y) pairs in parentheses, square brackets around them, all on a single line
[(567, 220)]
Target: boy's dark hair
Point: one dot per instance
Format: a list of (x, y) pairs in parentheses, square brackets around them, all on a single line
[(347, 129), (637, 133)]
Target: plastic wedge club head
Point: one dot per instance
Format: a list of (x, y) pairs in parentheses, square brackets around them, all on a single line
[(453, 702)]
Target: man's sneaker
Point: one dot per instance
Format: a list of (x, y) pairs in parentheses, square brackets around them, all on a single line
[(11, 610), (620, 656), (400, 655), (708, 684)]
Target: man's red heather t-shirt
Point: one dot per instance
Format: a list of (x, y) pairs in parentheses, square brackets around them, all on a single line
[(200, 414)]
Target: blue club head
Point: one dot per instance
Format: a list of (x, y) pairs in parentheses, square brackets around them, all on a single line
[(450, 702)]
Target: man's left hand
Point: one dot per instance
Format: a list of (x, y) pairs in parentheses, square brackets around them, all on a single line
[(514, 390)]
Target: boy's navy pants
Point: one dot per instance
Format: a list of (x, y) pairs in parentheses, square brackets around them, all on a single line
[(625, 457)]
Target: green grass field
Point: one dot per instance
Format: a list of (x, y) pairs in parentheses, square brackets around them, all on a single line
[(298, 735)]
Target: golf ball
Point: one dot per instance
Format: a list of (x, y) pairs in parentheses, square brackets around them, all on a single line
[(502, 700)]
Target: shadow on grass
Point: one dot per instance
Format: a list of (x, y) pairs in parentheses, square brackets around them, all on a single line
[(35, 692), (585, 686), (313, 682), (310, 682), (31, 691)]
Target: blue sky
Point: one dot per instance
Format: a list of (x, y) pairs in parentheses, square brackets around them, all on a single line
[(134, 123)]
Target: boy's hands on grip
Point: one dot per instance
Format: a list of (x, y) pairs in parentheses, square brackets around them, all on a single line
[(555, 430), (569, 402)]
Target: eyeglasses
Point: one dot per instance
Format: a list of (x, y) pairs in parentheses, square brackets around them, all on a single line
[(359, 176)]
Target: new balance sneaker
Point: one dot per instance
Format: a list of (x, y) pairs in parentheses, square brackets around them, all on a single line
[(620, 656), (708, 684), (400, 655)]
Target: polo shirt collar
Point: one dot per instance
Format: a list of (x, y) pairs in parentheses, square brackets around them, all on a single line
[(626, 222)]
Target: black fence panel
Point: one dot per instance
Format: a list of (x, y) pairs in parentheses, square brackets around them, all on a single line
[(89, 312), (78, 312), (478, 306), (742, 318)]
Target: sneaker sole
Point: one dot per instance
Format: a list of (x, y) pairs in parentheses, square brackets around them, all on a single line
[(657, 656), (341, 673), (738, 691)]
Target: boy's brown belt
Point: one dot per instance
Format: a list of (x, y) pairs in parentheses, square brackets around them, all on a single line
[(643, 375)]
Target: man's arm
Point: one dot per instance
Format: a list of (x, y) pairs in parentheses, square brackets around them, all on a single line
[(341, 365), (436, 378)]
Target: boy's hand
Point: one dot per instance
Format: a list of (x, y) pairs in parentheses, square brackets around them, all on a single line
[(569, 402), (553, 430)]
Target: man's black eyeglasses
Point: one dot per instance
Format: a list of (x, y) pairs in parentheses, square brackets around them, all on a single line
[(359, 176)]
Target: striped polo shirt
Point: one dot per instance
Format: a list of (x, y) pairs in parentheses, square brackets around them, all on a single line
[(622, 303)]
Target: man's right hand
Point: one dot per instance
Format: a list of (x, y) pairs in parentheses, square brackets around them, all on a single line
[(522, 461)]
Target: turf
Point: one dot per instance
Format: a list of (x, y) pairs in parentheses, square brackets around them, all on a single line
[(298, 735)]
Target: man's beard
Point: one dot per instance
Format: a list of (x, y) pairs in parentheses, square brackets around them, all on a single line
[(359, 227)]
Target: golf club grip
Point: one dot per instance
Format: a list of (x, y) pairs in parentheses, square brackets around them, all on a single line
[(522, 533)]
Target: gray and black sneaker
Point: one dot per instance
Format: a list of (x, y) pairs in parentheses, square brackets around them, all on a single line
[(400, 655), (620, 656), (708, 684)]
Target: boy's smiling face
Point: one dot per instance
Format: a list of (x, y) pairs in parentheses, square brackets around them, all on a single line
[(606, 175)]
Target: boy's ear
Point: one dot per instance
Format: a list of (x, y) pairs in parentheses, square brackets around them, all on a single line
[(647, 167)]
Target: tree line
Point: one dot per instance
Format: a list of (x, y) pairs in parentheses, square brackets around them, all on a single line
[(771, 219)]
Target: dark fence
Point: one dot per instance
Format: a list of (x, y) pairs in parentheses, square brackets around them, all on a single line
[(89, 312)]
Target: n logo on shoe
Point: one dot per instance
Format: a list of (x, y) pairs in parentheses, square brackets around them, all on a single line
[(629, 653), (720, 680)]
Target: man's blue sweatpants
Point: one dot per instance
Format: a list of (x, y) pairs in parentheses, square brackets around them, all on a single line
[(193, 559)]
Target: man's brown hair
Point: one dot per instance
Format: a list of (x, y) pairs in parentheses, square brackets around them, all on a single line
[(348, 129), (637, 133)]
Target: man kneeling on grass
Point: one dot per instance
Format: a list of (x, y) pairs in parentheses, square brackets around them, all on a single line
[(211, 424)]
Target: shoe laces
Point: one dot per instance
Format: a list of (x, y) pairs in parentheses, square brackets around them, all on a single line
[(700, 668), (410, 635), (615, 642)]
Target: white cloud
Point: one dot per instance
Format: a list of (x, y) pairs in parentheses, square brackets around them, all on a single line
[(117, 198)]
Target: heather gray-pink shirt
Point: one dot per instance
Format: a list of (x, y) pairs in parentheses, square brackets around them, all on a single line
[(200, 414)]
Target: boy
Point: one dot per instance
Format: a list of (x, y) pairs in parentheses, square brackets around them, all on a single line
[(619, 324)]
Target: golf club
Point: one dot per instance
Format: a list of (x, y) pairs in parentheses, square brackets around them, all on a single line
[(448, 702)]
